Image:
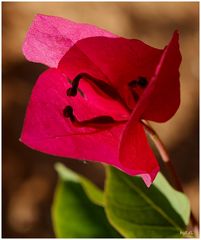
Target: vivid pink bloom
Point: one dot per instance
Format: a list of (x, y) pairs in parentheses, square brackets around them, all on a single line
[(90, 103)]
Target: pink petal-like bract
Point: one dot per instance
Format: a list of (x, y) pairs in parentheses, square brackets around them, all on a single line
[(90, 103), (49, 38)]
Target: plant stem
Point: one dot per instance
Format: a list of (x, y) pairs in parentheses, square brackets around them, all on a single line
[(170, 168)]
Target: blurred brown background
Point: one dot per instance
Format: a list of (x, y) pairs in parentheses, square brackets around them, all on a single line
[(28, 177)]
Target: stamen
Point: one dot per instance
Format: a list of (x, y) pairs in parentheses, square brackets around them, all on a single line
[(141, 82), (78, 89), (96, 122), (103, 86), (100, 120), (68, 113), (75, 83)]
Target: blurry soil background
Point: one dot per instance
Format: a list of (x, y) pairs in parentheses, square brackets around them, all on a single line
[(29, 178)]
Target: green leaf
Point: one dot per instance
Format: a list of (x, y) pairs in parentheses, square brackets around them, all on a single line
[(93, 193), (137, 211), (77, 209)]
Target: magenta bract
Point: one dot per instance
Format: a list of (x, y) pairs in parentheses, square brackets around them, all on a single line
[(90, 103)]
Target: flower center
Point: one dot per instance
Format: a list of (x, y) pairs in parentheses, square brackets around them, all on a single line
[(99, 121), (135, 86)]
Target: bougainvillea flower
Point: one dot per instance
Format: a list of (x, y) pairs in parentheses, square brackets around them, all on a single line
[(90, 103)]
